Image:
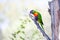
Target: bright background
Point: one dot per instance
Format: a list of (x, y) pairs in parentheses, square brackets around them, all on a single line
[(14, 13)]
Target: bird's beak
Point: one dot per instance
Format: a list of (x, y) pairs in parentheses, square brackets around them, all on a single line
[(32, 16)]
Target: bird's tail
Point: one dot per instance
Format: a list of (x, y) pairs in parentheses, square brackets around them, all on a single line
[(42, 27)]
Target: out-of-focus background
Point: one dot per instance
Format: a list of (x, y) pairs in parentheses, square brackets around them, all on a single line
[(15, 23)]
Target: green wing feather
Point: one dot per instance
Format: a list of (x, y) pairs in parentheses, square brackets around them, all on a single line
[(40, 20)]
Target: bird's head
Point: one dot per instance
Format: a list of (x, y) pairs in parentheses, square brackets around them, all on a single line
[(34, 13)]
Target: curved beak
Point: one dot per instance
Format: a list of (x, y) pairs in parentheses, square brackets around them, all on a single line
[(32, 16)]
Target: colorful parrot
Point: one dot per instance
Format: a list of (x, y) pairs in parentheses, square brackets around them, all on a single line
[(37, 17)]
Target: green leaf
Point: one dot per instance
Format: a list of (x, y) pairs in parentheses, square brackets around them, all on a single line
[(22, 38), (23, 32), (14, 35), (18, 31), (22, 26)]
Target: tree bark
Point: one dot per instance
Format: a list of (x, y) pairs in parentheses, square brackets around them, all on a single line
[(54, 7)]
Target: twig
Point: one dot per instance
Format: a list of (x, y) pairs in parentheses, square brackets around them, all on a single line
[(38, 26)]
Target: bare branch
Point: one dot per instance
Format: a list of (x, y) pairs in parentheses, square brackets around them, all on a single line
[(38, 26)]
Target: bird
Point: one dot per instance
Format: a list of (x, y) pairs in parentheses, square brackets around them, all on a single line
[(38, 17)]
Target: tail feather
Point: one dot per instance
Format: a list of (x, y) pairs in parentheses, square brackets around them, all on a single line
[(42, 27)]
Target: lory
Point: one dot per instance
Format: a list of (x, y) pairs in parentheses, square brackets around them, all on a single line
[(37, 17)]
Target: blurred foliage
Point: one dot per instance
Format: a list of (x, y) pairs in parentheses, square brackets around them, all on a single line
[(22, 26), (22, 38), (21, 34)]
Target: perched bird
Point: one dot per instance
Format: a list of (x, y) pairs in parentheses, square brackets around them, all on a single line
[(37, 17)]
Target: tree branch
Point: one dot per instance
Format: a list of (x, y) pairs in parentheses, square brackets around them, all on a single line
[(38, 26), (54, 7)]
